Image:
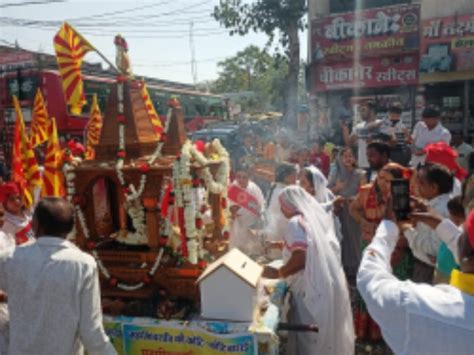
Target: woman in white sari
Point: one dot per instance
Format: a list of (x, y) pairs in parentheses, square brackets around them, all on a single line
[(313, 271), (316, 184)]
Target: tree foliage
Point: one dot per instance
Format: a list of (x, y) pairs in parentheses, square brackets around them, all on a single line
[(258, 74), (268, 16), (282, 18)]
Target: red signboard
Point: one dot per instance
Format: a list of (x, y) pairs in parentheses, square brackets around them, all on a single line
[(16, 60), (368, 33), (16, 57), (447, 44), (368, 73)]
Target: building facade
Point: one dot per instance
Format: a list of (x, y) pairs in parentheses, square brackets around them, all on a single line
[(414, 52)]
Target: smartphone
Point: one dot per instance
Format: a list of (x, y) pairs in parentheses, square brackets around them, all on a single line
[(401, 198)]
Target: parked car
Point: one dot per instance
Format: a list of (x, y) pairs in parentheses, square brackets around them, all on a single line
[(228, 135)]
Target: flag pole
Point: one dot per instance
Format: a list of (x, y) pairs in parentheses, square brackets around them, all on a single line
[(107, 61), (97, 51)]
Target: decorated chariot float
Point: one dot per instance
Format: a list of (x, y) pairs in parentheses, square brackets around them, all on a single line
[(151, 208)]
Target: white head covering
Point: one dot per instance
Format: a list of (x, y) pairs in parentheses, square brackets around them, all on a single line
[(325, 287), (321, 192)]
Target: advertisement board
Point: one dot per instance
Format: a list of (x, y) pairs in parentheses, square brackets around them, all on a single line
[(16, 60), (368, 73), (368, 33), (447, 44)]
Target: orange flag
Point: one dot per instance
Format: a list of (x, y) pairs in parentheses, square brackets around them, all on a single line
[(25, 170), (53, 180), (155, 119), (39, 121), (70, 48), (94, 127)]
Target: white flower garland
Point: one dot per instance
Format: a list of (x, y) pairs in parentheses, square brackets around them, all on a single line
[(121, 285), (134, 194), (219, 185), (82, 222), (184, 196), (69, 177)]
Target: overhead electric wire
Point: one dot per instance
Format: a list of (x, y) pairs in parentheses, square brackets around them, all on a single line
[(112, 23), (174, 63), (112, 13), (136, 61), (174, 11), (100, 26), (108, 23), (27, 3)]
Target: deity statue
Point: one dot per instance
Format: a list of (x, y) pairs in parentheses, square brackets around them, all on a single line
[(121, 59)]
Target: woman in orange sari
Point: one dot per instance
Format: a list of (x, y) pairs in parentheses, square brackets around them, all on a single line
[(368, 210)]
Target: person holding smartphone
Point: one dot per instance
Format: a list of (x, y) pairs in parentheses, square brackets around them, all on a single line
[(420, 318), (435, 185), (368, 209)]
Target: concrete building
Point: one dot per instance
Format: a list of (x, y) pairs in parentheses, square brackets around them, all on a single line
[(430, 64)]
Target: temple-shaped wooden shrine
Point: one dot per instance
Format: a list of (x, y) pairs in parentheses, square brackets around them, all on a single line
[(127, 236)]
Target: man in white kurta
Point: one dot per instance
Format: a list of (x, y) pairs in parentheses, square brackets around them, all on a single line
[(416, 318), (244, 221), (428, 130), (53, 290)]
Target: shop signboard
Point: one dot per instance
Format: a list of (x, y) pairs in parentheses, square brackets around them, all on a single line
[(16, 60), (447, 44), (367, 33), (367, 73)]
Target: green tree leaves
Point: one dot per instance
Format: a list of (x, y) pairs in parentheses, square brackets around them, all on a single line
[(257, 74), (282, 18)]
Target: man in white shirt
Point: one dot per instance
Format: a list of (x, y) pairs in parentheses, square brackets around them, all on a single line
[(419, 318), (428, 130), (394, 131), (463, 149), (363, 132), (53, 290)]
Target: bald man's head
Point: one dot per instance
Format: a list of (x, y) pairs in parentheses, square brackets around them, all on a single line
[(54, 217)]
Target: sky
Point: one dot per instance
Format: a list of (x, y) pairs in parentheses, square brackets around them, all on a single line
[(157, 32)]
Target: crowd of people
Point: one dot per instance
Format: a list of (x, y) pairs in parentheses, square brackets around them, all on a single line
[(352, 266), (329, 215)]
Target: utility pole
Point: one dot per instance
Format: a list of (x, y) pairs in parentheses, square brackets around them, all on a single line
[(193, 53)]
